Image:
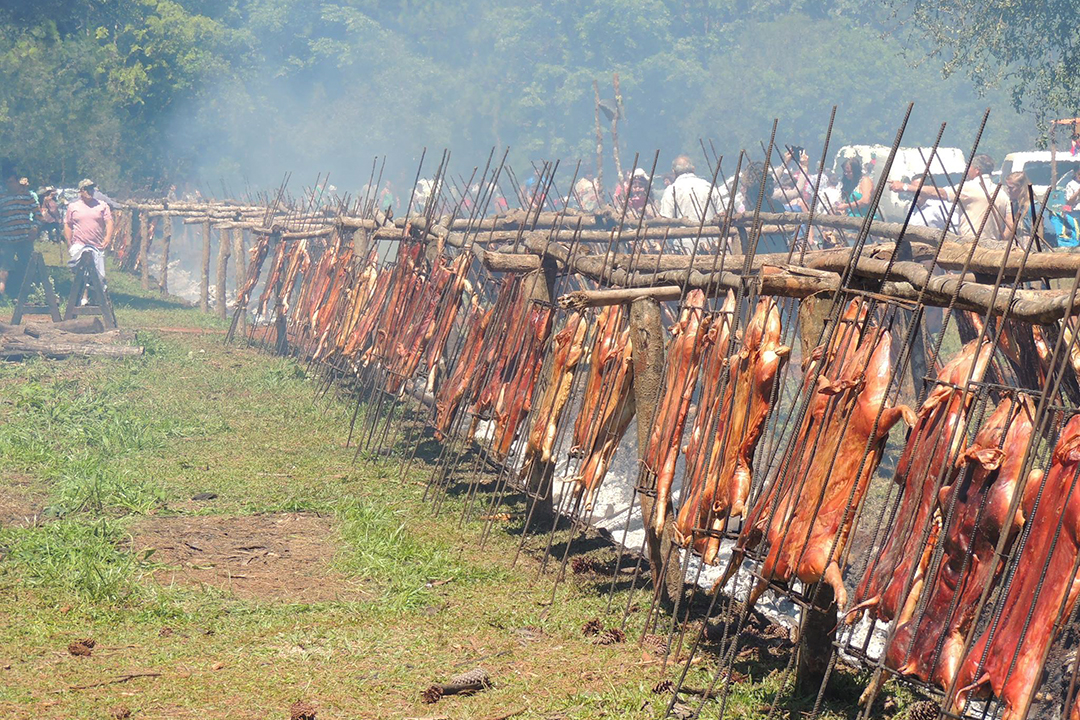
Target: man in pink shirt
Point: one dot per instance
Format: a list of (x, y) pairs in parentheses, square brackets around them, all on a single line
[(88, 227)]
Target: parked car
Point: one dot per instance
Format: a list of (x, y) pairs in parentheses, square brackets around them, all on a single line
[(909, 163), (1036, 164)]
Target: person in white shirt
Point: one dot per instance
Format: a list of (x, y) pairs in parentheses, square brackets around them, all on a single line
[(975, 209), (1072, 190), (689, 195)]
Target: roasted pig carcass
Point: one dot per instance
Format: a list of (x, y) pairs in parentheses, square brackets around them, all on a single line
[(1041, 592), (821, 367), (690, 339), (258, 255), (515, 397), (720, 472), (931, 448), (461, 378), (809, 531), (565, 355), (610, 421), (980, 501), (610, 329)]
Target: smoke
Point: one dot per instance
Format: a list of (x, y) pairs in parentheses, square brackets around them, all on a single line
[(330, 87)]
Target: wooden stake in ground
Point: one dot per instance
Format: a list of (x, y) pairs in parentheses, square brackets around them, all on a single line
[(144, 249), (647, 337), (204, 286), (166, 240), (540, 286), (240, 264), (615, 131), (817, 626), (224, 250), (599, 145)]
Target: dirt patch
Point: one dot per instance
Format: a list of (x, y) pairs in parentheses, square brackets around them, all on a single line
[(280, 556), (19, 505)]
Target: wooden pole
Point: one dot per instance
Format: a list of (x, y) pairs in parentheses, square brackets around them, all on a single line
[(647, 337), (144, 250), (204, 287), (133, 237), (599, 146), (817, 626), (224, 250), (540, 286), (240, 265), (166, 241), (615, 132)]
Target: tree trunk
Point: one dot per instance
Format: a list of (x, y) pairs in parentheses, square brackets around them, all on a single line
[(647, 336), (540, 285), (224, 250), (204, 286), (166, 241), (144, 250), (816, 634)]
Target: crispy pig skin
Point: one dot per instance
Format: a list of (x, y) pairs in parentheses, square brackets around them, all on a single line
[(810, 531), (768, 503), (605, 348), (1047, 559), (720, 479), (934, 441), (453, 390), (515, 397), (608, 405), (684, 356), (567, 352), (996, 458)]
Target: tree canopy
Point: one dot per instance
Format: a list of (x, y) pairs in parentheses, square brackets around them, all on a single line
[(141, 93)]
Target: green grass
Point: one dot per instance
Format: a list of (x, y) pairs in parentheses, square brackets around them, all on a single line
[(108, 448)]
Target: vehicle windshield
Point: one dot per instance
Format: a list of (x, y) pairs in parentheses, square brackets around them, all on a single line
[(1039, 172)]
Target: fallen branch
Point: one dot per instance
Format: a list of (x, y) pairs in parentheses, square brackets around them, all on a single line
[(117, 681)]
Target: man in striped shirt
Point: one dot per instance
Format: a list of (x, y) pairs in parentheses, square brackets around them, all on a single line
[(17, 231)]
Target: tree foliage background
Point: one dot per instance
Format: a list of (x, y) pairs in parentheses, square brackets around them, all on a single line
[(141, 93)]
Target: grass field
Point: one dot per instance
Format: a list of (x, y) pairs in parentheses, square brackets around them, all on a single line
[(305, 579)]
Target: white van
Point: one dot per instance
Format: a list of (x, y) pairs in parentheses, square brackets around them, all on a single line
[(909, 163), (1036, 165)]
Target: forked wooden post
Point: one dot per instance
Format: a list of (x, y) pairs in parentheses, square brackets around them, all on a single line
[(540, 286), (224, 250), (647, 337), (144, 249), (166, 241), (204, 285), (240, 265), (817, 626)]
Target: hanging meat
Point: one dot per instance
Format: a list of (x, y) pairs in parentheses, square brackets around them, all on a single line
[(720, 472), (608, 403), (515, 396), (931, 447), (709, 422), (809, 532), (258, 255), (453, 390), (444, 323), (690, 339), (982, 498), (821, 368), (1042, 589), (610, 328), (565, 355)]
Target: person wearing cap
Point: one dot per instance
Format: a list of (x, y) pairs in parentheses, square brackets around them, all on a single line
[(689, 195), (49, 213), (88, 227), (17, 230)]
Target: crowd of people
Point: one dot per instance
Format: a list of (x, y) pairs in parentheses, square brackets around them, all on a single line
[(79, 217)]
